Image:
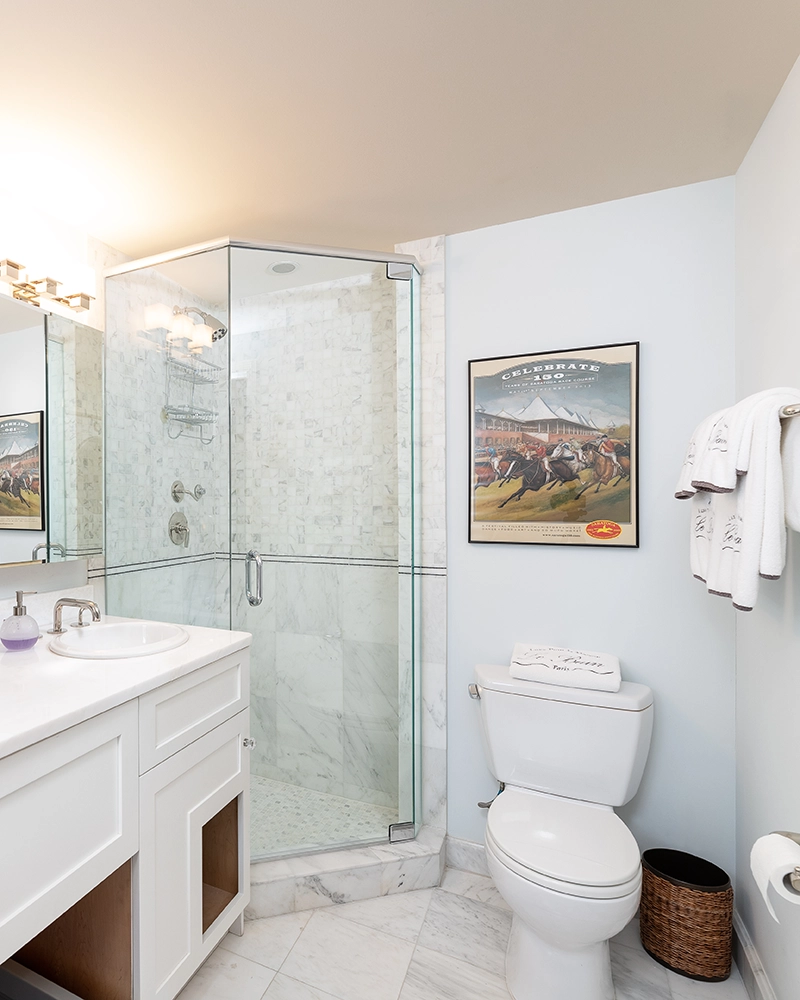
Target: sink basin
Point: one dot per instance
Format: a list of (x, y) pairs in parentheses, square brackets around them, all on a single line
[(119, 640)]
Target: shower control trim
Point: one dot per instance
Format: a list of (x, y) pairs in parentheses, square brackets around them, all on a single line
[(178, 491), (179, 529), (254, 597)]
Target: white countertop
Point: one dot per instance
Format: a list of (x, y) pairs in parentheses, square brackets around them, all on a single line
[(42, 693)]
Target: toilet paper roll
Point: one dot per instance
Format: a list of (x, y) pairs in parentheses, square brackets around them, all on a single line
[(774, 857)]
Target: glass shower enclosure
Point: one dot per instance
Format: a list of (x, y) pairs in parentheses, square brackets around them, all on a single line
[(260, 445)]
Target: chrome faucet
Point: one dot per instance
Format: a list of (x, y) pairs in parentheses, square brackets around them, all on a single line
[(72, 602), (47, 546)]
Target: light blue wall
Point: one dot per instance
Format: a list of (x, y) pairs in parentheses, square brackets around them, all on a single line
[(657, 268), (768, 640)]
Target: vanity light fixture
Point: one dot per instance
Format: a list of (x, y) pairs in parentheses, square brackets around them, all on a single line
[(34, 290)]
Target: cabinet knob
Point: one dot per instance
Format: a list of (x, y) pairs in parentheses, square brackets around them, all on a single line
[(248, 743)]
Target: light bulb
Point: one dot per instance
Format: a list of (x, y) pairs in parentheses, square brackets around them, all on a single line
[(158, 317), (202, 336), (181, 327)]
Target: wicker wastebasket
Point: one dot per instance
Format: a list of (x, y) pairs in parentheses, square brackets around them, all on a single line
[(686, 916)]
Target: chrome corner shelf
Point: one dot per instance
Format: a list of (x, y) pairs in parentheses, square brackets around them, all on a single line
[(192, 416), (195, 371)]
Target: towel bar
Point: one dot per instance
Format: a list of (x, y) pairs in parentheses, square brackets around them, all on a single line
[(790, 411), (794, 877)]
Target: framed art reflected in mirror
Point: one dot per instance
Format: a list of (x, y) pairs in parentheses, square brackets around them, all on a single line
[(22, 471)]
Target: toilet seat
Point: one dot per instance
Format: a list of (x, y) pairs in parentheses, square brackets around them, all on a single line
[(574, 847)]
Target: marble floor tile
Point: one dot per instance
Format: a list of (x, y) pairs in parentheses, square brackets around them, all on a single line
[(689, 989), (401, 915), (284, 988), (636, 976), (433, 976), (365, 950), (268, 941), (225, 976), (348, 960), (467, 930), (478, 887)]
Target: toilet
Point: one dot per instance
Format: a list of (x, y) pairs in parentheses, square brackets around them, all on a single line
[(559, 855)]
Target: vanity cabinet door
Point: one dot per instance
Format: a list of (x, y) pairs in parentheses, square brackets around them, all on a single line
[(68, 819), (194, 857)]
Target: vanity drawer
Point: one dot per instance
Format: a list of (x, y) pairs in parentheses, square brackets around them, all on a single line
[(68, 818), (175, 715)]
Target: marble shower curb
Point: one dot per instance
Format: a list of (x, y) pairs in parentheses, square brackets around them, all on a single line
[(333, 877)]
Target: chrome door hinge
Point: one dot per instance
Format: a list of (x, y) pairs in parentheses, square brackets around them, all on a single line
[(401, 831)]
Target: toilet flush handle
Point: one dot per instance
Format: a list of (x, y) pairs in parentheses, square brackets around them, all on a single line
[(485, 805), (474, 691)]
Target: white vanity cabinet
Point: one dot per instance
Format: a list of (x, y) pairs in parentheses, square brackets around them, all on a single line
[(193, 870), (68, 819), (124, 839)]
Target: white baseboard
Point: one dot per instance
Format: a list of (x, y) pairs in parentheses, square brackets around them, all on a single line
[(466, 855), (747, 959)]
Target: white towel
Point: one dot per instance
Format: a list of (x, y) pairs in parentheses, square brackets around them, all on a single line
[(790, 453), (738, 533), (566, 667), (726, 454), (703, 512), (697, 445)]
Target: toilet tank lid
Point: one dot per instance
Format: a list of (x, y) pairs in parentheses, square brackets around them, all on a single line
[(630, 697)]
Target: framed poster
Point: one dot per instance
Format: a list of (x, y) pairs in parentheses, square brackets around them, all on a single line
[(22, 471), (553, 448)]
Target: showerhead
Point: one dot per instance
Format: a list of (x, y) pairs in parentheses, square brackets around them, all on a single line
[(218, 329)]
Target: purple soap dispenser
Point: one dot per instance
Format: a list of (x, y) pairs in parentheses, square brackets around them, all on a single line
[(20, 631)]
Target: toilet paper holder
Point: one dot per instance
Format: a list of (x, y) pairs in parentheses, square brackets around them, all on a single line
[(794, 877)]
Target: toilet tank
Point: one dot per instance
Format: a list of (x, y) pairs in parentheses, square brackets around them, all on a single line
[(581, 744)]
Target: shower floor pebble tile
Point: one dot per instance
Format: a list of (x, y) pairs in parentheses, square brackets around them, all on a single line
[(286, 819), (433, 944)]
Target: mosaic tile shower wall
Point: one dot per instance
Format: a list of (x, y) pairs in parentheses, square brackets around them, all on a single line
[(146, 574)]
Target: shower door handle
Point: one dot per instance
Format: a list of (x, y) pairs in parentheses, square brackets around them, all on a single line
[(253, 559)]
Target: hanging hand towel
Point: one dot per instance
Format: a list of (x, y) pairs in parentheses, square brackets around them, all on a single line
[(697, 445), (566, 667), (790, 454), (725, 455), (738, 533)]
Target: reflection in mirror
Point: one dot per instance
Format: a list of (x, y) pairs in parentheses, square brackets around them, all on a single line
[(22, 391), (75, 439)]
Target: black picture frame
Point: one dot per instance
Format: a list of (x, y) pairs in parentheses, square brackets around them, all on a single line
[(588, 495), (22, 472)]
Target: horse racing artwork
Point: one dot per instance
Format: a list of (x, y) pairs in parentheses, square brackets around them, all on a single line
[(554, 447), (21, 475)]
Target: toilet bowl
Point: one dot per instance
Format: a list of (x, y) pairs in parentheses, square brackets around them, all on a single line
[(562, 859), (570, 872)]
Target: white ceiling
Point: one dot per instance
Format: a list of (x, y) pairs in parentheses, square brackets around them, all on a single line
[(364, 123)]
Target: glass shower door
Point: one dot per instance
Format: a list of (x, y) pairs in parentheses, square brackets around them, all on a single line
[(321, 487)]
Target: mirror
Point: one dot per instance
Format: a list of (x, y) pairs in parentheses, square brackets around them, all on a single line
[(51, 411)]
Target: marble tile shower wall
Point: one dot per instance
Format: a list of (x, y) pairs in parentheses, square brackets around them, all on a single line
[(314, 397), (75, 358), (146, 574)]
